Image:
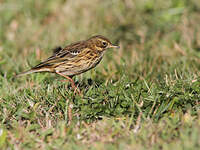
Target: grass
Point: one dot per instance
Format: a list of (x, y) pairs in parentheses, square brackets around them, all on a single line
[(145, 95)]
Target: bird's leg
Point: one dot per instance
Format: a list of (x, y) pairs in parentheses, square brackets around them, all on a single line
[(72, 82), (70, 106)]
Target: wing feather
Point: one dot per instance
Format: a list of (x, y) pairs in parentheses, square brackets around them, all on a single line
[(61, 55)]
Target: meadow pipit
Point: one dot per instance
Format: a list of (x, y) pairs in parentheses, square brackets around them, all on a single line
[(75, 58)]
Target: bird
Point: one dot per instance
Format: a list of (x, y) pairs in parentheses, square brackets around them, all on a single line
[(74, 59)]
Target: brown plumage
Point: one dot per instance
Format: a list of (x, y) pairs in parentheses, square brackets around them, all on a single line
[(75, 58)]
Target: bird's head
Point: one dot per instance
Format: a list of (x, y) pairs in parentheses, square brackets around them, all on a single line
[(100, 43)]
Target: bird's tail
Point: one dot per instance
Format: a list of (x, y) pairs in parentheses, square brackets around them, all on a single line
[(32, 71)]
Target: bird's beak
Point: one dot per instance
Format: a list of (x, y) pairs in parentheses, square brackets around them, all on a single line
[(114, 46)]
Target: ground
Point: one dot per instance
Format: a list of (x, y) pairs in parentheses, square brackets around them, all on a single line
[(144, 95)]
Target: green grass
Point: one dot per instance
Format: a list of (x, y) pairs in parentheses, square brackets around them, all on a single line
[(145, 95)]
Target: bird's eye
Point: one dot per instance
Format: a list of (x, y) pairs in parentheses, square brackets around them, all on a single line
[(104, 44)]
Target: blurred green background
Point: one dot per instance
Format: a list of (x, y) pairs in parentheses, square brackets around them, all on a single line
[(144, 95)]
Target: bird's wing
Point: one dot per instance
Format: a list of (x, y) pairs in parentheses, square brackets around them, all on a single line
[(62, 54)]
